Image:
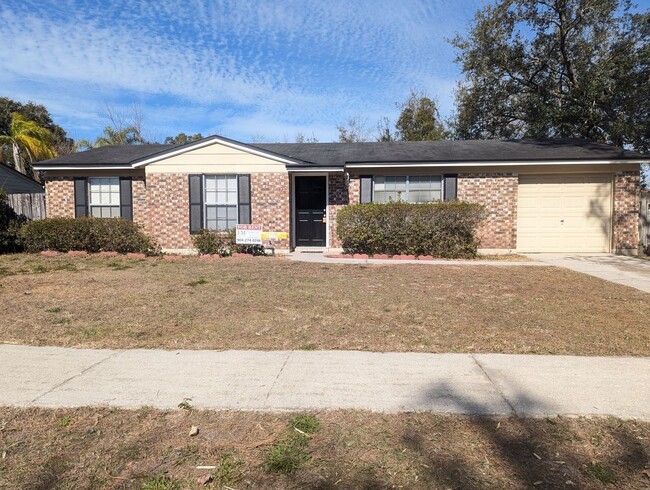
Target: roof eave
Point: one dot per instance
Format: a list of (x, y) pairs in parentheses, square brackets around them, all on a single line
[(493, 163)]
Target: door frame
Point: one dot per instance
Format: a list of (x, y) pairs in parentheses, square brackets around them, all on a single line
[(294, 226)]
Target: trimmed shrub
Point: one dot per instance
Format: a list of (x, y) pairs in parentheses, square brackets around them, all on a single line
[(10, 223), (209, 242), (441, 229), (90, 234)]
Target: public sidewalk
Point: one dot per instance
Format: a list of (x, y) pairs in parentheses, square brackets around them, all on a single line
[(522, 385)]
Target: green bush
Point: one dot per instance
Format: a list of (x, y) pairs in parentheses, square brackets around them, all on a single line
[(441, 229), (89, 234), (209, 242), (10, 223)]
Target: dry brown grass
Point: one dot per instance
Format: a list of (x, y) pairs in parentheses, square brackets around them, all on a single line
[(119, 449), (268, 303)]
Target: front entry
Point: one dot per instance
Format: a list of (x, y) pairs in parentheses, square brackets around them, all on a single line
[(311, 202)]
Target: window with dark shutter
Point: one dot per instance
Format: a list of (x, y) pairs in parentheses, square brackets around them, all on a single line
[(365, 194), (451, 184), (196, 202), (80, 197), (244, 199), (126, 198)]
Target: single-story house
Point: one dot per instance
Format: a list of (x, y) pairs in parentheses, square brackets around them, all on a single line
[(562, 195)]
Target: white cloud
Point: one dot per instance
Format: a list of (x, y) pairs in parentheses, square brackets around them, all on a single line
[(281, 66)]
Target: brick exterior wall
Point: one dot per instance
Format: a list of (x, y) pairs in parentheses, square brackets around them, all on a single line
[(59, 197), (270, 203), (167, 210), (139, 198), (498, 193), (338, 196), (626, 210)]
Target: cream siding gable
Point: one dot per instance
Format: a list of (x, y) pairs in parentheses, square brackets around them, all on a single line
[(215, 158)]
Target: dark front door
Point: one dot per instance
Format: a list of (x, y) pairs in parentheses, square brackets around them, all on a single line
[(311, 201)]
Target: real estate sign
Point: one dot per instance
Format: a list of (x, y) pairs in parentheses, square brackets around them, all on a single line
[(248, 235)]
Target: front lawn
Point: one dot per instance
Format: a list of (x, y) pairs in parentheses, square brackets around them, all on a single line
[(273, 303), (152, 450)]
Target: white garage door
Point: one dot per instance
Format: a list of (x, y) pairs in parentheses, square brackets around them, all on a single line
[(564, 213)]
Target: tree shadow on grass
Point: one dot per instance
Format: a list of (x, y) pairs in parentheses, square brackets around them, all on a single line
[(532, 452)]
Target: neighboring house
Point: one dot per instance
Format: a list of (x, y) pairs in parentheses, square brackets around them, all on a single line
[(25, 195), (14, 182), (540, 195)]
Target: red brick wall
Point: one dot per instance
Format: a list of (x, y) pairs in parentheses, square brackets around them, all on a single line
[(167, 210), (498, 193), (139, 198), (270, 203), (59, 197), (626, 210), (338, 196)]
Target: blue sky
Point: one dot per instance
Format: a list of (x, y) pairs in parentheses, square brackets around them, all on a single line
[(243, 69)]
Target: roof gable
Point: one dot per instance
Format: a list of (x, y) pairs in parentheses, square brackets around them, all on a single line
[(14, 182)]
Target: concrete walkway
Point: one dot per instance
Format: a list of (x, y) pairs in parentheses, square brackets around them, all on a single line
[(628, 271), (322, 259), (299, 380)]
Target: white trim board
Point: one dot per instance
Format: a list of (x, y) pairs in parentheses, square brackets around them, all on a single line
[(491, 163)]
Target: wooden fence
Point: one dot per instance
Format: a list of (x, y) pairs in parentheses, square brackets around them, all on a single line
[(644, 220), (30, 205)]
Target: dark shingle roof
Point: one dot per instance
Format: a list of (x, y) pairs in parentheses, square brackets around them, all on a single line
[(337, 154), (14, 182), (397, 152), (109, 155)]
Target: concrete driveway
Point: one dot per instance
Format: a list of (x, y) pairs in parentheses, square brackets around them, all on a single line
[(628, 271)]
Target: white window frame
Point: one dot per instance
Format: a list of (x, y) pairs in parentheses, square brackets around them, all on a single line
[(94, 181), (206, 205), (405, 198)]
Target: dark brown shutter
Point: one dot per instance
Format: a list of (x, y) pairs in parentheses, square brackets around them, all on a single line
[(244, 198), (450, 183), (126, 198), (80, 197), (365, 194), (196, 202)]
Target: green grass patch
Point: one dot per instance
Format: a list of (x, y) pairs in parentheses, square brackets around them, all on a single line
[(160, 483), (602, 473), (64, 421), (198, 282), (230, 470), (288, 454), (118, 266), (308, 347), (54, 309), (306, 423)]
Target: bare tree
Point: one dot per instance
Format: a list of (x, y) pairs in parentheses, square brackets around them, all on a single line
[(354, 131)]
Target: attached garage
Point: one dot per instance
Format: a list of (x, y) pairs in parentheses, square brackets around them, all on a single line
[(564, 213)]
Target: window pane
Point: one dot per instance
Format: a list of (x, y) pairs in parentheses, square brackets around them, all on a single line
[(232, 214), (96, 212), (210, 184), (211, 213)]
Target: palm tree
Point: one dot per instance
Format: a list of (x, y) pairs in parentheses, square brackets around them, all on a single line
[(28, 140), (130, 135)]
